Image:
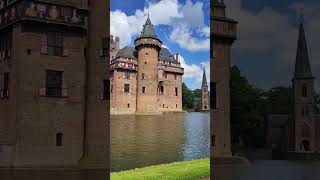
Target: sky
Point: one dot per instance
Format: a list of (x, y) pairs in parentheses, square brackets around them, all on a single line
[(267, 39), (182, 25)]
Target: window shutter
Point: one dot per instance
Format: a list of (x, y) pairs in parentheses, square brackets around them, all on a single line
[(44, 44)]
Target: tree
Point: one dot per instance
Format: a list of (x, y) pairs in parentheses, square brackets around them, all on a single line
[(197, 93), (187, 97), (279, 100), (247, 111)]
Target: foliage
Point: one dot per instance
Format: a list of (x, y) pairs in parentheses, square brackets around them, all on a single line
[(250, 106), (188, 96), (195, 169)]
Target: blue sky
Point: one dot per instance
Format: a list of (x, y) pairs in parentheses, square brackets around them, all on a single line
[(267, 39), (182, 25)]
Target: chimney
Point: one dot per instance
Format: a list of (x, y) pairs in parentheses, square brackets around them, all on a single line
[(177, 57), (117, 43)]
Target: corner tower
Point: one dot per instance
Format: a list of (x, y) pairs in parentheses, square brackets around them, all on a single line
[(204, 93), (303, 86), (223, 34), (148, 47)]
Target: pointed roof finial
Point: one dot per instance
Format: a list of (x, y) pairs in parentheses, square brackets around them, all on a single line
[(302, 65), (301, 15), (148, 30), (204, 78)]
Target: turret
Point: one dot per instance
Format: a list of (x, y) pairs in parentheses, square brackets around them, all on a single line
[(148, 47)]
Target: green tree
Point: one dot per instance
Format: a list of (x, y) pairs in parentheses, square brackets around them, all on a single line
[(279, 100), (197, 93), (247, 111), (187, 97)]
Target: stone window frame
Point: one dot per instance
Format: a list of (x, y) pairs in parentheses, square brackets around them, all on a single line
[(54, 89), (126, 88)]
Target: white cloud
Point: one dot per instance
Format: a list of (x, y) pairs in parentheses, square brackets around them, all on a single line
[(186, 22), (182, 34), (195, 72)]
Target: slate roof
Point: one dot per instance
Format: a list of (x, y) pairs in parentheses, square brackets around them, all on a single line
[(126, 52), (129, 52), (204, 79), (148, 30), (165, 55), (302, 66), (278, 120)]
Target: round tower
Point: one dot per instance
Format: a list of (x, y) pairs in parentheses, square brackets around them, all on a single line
[(148, 47)]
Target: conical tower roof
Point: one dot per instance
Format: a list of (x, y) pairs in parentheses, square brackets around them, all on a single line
[(302, 66), (148, 30), (204, 79)]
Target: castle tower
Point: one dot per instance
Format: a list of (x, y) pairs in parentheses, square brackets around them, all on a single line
[(148, 47), (204, 93), (223, 35), (303, 86)]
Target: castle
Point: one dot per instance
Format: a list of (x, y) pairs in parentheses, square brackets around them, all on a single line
[(298, 131), (146, 78), (53, 84)]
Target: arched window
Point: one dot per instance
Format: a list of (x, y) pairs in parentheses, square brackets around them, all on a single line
[(304, 90)]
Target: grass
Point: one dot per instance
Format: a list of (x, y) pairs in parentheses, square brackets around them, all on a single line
[(187, 170)]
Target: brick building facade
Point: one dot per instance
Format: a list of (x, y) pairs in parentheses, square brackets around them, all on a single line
[(53, 83), (146, 78)]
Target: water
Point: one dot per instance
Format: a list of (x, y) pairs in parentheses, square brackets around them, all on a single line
[(270, 170), (139, 141)]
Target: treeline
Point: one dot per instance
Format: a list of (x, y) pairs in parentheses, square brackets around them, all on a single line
[(188, 96), (250, 107)]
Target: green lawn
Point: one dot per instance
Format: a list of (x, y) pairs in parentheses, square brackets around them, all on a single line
[(192, 170)]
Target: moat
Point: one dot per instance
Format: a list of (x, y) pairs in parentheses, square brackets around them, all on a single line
[(139, 141), (270, 170)]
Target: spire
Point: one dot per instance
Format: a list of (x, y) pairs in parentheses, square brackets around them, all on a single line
[(204, 79), (148, 30), (302, 66)]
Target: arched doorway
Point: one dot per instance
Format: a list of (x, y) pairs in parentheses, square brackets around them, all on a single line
[(305, 145)]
